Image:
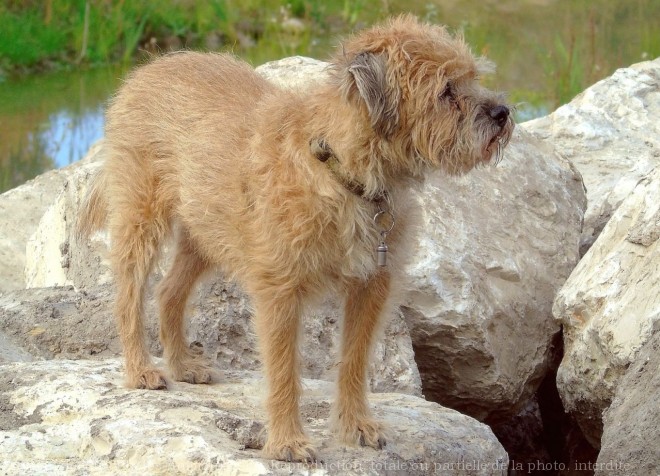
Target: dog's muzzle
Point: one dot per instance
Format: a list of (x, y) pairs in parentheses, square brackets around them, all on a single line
[(499, 114)]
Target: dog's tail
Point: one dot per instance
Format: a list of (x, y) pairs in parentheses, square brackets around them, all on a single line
[(94, 210)]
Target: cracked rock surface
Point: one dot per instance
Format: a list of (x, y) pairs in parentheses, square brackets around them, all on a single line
[(74, 417)]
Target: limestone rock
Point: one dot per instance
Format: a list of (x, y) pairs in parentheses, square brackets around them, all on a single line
[(296, 72), (74, 417), (21, 210), (10, 352), (630, 438), (611, 133), (60, 322), (610, 306), (52, 256), (494, 248)]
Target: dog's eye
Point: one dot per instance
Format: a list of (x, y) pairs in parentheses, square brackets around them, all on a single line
[(448, 93)]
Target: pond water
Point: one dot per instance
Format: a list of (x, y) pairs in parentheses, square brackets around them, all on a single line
[(51, 121), (546, 52)]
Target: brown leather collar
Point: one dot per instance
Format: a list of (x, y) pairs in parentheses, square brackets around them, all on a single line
[(324, 153)]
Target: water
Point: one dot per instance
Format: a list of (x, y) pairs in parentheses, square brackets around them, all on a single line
[(51, 121)]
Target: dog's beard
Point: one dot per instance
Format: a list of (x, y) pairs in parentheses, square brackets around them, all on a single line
[(494, 139), (494, 150)]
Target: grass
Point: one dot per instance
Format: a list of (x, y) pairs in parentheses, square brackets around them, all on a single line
[(24, 41), (35, 35)]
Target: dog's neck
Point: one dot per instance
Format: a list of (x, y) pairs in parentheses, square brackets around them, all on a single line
[(324, 153)]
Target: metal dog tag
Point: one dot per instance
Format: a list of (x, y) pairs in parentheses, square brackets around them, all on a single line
[(382, 254), (381, 221)]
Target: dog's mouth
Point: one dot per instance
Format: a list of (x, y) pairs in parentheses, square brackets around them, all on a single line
[(494, 149), (495, 146)]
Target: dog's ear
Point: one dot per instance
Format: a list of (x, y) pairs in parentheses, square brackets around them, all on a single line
[(368, 74)]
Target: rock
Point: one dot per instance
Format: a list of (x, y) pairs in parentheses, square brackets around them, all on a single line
[(74, 417), (222, 323), (295, 72), (61, 322), (630, 438), (611, 133), (21, 209), (10, 352), (494, 248), (610, 306), (543, 436), (53, 256)]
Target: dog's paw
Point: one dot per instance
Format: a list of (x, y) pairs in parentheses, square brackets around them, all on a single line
[(371, 434), (293, 450), (150, 379), (363, 431), (192, 369)]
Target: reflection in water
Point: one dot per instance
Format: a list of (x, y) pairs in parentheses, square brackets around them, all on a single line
[(69, 136), (22, 160), (51, 121)]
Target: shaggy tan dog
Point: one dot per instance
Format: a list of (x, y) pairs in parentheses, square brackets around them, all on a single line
[(281, 190)]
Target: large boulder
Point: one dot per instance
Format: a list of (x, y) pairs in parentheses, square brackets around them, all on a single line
[(21, 210), (610, 306), (74, 417), (630, 437), (611, 133), (494, 248)]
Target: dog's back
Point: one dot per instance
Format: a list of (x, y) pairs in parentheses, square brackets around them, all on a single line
[(181, 107)]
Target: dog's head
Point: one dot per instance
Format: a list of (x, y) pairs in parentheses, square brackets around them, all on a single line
[(418, 89)]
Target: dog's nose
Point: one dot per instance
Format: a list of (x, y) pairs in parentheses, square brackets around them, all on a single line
[(499, 114)]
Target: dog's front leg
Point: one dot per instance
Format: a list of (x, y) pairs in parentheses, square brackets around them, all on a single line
[(277, 324), (364, 306)]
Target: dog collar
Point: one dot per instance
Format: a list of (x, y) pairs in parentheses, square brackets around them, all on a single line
[(324, 153), (383, 219)]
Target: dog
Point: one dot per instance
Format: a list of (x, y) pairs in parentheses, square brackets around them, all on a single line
[(293, 194)]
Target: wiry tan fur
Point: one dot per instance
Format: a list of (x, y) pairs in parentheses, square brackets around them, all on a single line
[(200, 145)]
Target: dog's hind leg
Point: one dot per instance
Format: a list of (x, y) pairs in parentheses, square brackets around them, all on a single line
[(185, 365), (277, 323), (137, 224), (364, 306)]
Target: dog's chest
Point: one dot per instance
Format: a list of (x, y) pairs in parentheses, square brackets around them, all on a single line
[(358, 243)]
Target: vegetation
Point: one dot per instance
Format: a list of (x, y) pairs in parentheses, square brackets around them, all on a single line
[(546, 49)]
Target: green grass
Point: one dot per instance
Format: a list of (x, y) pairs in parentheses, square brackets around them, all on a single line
[(110, 32), (25, 41)]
